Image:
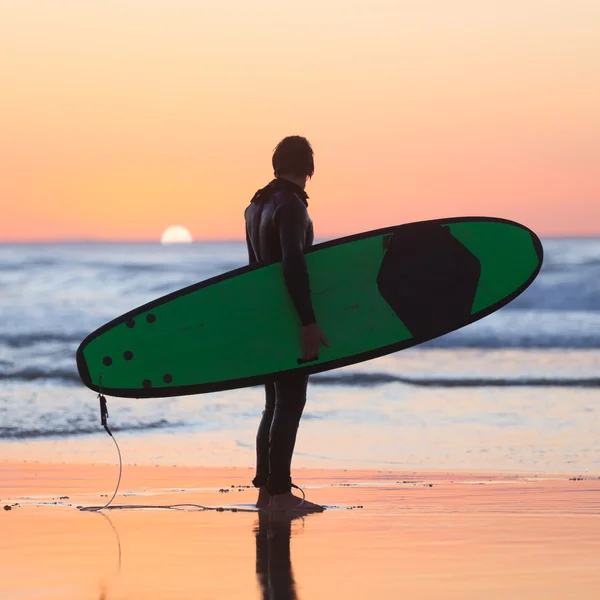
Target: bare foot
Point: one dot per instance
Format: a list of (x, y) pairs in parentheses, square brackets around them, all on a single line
[(288, 501), (263, 497)]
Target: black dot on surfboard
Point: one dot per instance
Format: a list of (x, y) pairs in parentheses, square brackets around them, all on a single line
[(130, 323), (107, 360), (128, 355), (147, 383), (167, 378), (150, 318)]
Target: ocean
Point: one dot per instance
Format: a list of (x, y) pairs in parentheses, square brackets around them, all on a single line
[(518, 390)]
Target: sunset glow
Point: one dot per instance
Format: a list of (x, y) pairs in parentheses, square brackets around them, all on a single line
[(120, 117)]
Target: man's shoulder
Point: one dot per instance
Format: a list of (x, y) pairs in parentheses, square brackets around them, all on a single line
[(288, 200)]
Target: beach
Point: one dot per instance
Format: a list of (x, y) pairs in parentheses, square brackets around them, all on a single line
[(383, 534), (466, 467), (140, 145)]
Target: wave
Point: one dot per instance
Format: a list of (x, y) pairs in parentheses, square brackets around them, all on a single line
[(566, 294), (526, 329), (533, 342), (23, 340), (17, 433), (365, 379), (375, 379), (32, 374), (29, 264)]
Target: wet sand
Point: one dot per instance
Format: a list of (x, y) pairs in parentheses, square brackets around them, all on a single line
[(384, 535)]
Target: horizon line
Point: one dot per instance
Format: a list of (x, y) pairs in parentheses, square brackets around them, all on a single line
[(157, 242)]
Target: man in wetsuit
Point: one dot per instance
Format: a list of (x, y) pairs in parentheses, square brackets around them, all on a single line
[(278, 228)]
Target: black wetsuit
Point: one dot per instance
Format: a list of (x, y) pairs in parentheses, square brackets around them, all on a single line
[(278, 228)]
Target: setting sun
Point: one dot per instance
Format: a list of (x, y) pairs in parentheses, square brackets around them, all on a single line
[(176, 235)]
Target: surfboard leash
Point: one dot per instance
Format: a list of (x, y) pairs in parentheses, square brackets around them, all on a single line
[(103, 421), (303, 494)]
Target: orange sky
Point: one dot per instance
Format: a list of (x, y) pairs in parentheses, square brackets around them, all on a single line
[(122, 117)]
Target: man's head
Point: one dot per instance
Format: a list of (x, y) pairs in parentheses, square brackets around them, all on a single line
[(293, 159)]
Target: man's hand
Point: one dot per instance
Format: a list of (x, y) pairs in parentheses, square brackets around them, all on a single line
[(312, 337)]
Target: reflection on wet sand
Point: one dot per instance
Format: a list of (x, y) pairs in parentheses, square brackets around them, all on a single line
[(117, 536), (273, 532), (274, 571)]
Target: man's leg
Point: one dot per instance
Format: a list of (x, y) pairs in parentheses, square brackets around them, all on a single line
[(290, 398), (262, 447)]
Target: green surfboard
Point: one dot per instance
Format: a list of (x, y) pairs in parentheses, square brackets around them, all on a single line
[(373, 293)]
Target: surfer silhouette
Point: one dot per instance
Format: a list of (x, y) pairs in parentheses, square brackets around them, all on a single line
[(279, 228)]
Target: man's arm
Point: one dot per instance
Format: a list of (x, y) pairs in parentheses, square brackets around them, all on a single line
[(292, 235), (251, 255)]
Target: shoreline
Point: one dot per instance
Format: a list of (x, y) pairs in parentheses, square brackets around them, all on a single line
[(36, 479)]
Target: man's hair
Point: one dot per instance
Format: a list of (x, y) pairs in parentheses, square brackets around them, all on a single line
[(293, 156)]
